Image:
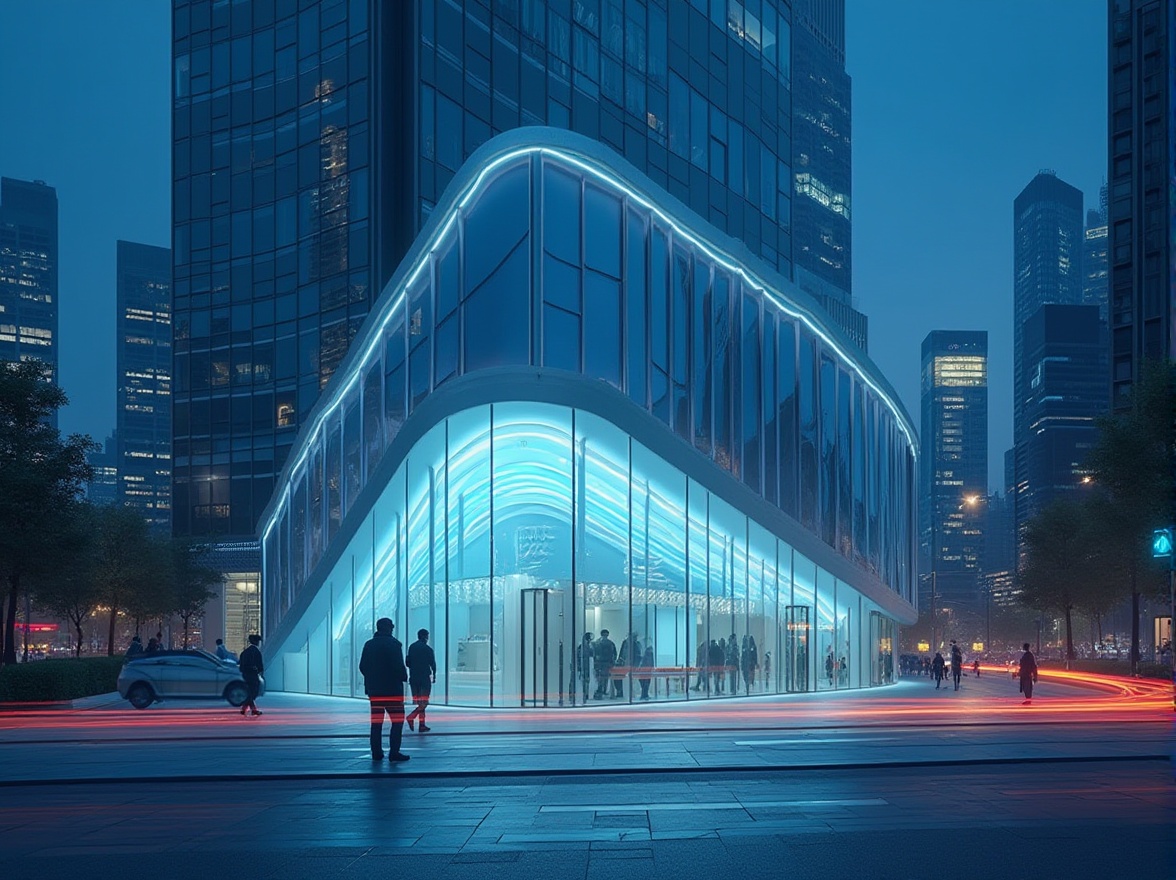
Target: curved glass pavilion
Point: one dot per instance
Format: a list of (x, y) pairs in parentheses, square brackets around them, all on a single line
[(578, 407)]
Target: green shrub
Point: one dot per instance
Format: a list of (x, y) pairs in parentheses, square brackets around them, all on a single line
[(1118, 667), (54, 680)]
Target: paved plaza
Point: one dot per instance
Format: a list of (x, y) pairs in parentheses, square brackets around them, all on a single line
[(901, 782)]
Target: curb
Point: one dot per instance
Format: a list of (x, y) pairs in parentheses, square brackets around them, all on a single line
[(565, 772)]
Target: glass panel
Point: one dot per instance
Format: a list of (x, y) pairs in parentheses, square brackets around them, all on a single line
[(701, 373), (602, 328), (561, 215), (602, 231), (698, 632), (829, 674), (395, 407), (426, 533), (659, 316), (636, 296), (352, 443), (659, 613), (847, 634), (298, 536), (601, 546), (318, 504), (828, 452), (769, 445), (808, 433), (727, 587), (342, 618), (875, 464), (468, 654), (786, 396), (749, 404), (679, 343), (499, 221), (497, 315), (859, 474), (373, 417), (723, 368), (756, 660), (390, 532), (334, 477)]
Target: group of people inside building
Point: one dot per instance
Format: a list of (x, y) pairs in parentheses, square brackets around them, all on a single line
[(718, 666)]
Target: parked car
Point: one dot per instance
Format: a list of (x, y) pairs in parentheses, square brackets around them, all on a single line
[(181, 675)]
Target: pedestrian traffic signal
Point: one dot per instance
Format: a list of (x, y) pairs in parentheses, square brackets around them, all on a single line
[(1162, 543)]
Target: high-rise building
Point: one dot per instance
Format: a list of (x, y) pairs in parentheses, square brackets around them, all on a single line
[(953, 473), (313, 140), (1094, 257), (28, 273), (144, 363), (1047, 268), (1066, 360), (822, 162), (1142, 174), (102, 489)]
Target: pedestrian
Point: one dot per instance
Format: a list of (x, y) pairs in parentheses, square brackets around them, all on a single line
[(382, 666), (749, 660), (604, 660), (422, 674), (645, 671), (830, 665), (629, 656), (937, 669), (153, 646), (957, 664), (700, 662), (716, 657), (251, 670), (1027, 672), (583, 661), (136, 647), (767, 670), (976, 667), (733, 664), (223, 653)]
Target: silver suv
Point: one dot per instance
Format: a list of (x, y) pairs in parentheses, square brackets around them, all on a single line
[(181, 675)]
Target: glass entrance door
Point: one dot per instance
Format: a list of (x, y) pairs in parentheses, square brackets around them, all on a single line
[(540, 666), (796, 648)]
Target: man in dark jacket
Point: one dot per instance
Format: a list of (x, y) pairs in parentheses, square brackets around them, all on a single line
[(1027, 672), (422, 673), (384, 675), (606, 659), (585, 656), (251, 669)]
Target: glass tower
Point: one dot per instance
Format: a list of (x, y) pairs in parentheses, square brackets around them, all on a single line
[(28, 273), (1066, 357), (1094, 257), (953, 474), (1047, 268), (1142, 159), (144, 364), (313, 140)]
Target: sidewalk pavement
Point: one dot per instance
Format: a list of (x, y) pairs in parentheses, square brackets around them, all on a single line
[(301, 736)]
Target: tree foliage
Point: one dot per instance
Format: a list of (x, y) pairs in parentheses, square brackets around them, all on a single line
[(69, 591), (41, 477), (191, 583)]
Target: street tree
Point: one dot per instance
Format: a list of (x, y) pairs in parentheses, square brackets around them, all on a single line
[(41, 476), (1133, 465), (69, 590), (129, 568), (1058, 574), (191, 582)]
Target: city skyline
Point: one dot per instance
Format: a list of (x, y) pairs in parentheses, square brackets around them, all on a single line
[(902, 264)]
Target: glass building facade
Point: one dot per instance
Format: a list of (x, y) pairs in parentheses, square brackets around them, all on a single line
[(313, 138), (28, 273), (143, 358), (572, 409)]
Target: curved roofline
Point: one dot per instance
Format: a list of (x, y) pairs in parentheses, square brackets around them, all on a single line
[(608, 167)]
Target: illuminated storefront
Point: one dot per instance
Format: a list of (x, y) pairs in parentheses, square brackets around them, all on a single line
[(577, 407)]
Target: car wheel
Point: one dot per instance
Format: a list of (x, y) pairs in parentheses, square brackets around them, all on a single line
[(236, 693), (140, 695)]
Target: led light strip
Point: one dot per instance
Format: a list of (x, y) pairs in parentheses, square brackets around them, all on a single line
[(617, 184)]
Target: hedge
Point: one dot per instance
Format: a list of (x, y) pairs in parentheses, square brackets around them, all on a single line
[(42, 681), (1119, 667)]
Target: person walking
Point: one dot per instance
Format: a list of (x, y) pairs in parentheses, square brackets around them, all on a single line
[(251, 670), (153, 646), (583, 661), (976, 667), (136, 647), (382, 666), (604, 659), (700, 662), (749, 660), (937, 669), (422, 674), (629, 656), (767, 670), (716, 658), (645, 671), (1027, 672), (957, 664), (733, 665)]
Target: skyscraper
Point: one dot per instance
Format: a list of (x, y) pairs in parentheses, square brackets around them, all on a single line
[(144, 363), (1047, 268), (28, 272), (1094, 257), (953, 472), (822, 162), (313, 140), (1142, 166), (1066, 361), (102, 489)]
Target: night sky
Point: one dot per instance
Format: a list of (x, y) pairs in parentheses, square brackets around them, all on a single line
[(956, 106)]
